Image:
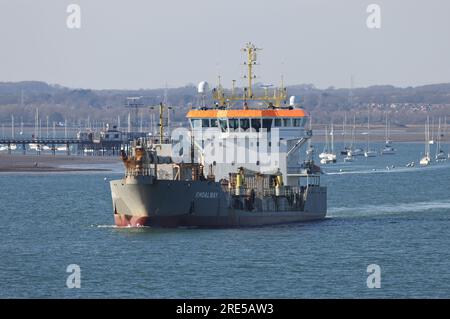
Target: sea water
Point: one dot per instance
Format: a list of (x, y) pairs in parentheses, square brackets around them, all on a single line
[(379, 212)]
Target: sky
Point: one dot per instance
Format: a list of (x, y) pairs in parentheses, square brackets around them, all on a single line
[(149, 44)]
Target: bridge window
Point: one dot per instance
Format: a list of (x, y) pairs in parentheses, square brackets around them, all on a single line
[(213, 122), (297, 122), (205, 122), (116, 135), (286, 122), (256, 124), (245, 124), (267, 124), (196, 123), (277, 123), (234, 124), (223, 125)]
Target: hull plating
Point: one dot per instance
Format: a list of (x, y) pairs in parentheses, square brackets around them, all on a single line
[(200, 204)]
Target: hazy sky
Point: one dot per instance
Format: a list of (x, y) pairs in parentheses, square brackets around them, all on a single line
[(145, 44)]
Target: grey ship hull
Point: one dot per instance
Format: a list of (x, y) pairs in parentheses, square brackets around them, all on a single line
[(145, 201)]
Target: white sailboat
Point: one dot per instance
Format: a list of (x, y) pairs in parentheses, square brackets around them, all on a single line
[(326, 156), (431, 137), (388, 149), (425, 160), (324, 153), (348, 158), (440, 154), (354, 151), (346, 148), (332, 155), (369, 152)]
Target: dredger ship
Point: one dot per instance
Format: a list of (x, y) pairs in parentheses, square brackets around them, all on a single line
[(222, 176)]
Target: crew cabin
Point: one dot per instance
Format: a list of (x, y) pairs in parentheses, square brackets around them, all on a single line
[(257, 139), (265, 135)]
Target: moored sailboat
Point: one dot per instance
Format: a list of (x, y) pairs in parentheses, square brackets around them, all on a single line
[(369, 152), (425, 160), (388, 149)]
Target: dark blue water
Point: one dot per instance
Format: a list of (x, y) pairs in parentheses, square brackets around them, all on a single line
[(397, 218)]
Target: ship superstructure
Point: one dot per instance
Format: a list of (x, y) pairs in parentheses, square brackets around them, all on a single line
[(240, 164)]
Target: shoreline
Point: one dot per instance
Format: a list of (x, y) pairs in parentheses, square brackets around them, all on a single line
[(12, 163), (47, 163)]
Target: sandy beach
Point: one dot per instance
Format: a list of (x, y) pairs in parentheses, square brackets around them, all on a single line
[(50, 163)]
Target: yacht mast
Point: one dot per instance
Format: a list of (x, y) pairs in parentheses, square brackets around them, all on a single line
[(368, 130), (427, 137), (325, 149), (332, 138)]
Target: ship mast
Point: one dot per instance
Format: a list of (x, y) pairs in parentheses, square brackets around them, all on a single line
[(161, 122), (279, 94), (251, 50)]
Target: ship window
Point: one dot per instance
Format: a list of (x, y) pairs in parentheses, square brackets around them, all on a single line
[(277, 123), (256, 124), (296, 122), (196, 123), (116, 135), (267, 124), (205, 122), (286, 122), (234, 124), (245, 124), (223, 125), (106, 135), (213, 122)]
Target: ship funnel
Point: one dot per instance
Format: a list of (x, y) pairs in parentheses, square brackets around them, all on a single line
[(292, 101), (202, 87)]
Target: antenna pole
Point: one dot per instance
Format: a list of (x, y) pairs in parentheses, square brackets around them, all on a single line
[(251, 60), (161, 124), (250, 71)]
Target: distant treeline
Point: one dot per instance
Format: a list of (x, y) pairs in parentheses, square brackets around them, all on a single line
[(405, 105)]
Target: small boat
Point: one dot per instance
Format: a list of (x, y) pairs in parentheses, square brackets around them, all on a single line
[(356, 152), (34, 146), (440, 154), (369, 152), (431, 139), (411, 164), (327, 157), (425, 160), (346, 148), (352, 151), (328, 160), (348, 158), (388, 149), (324, 154)]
